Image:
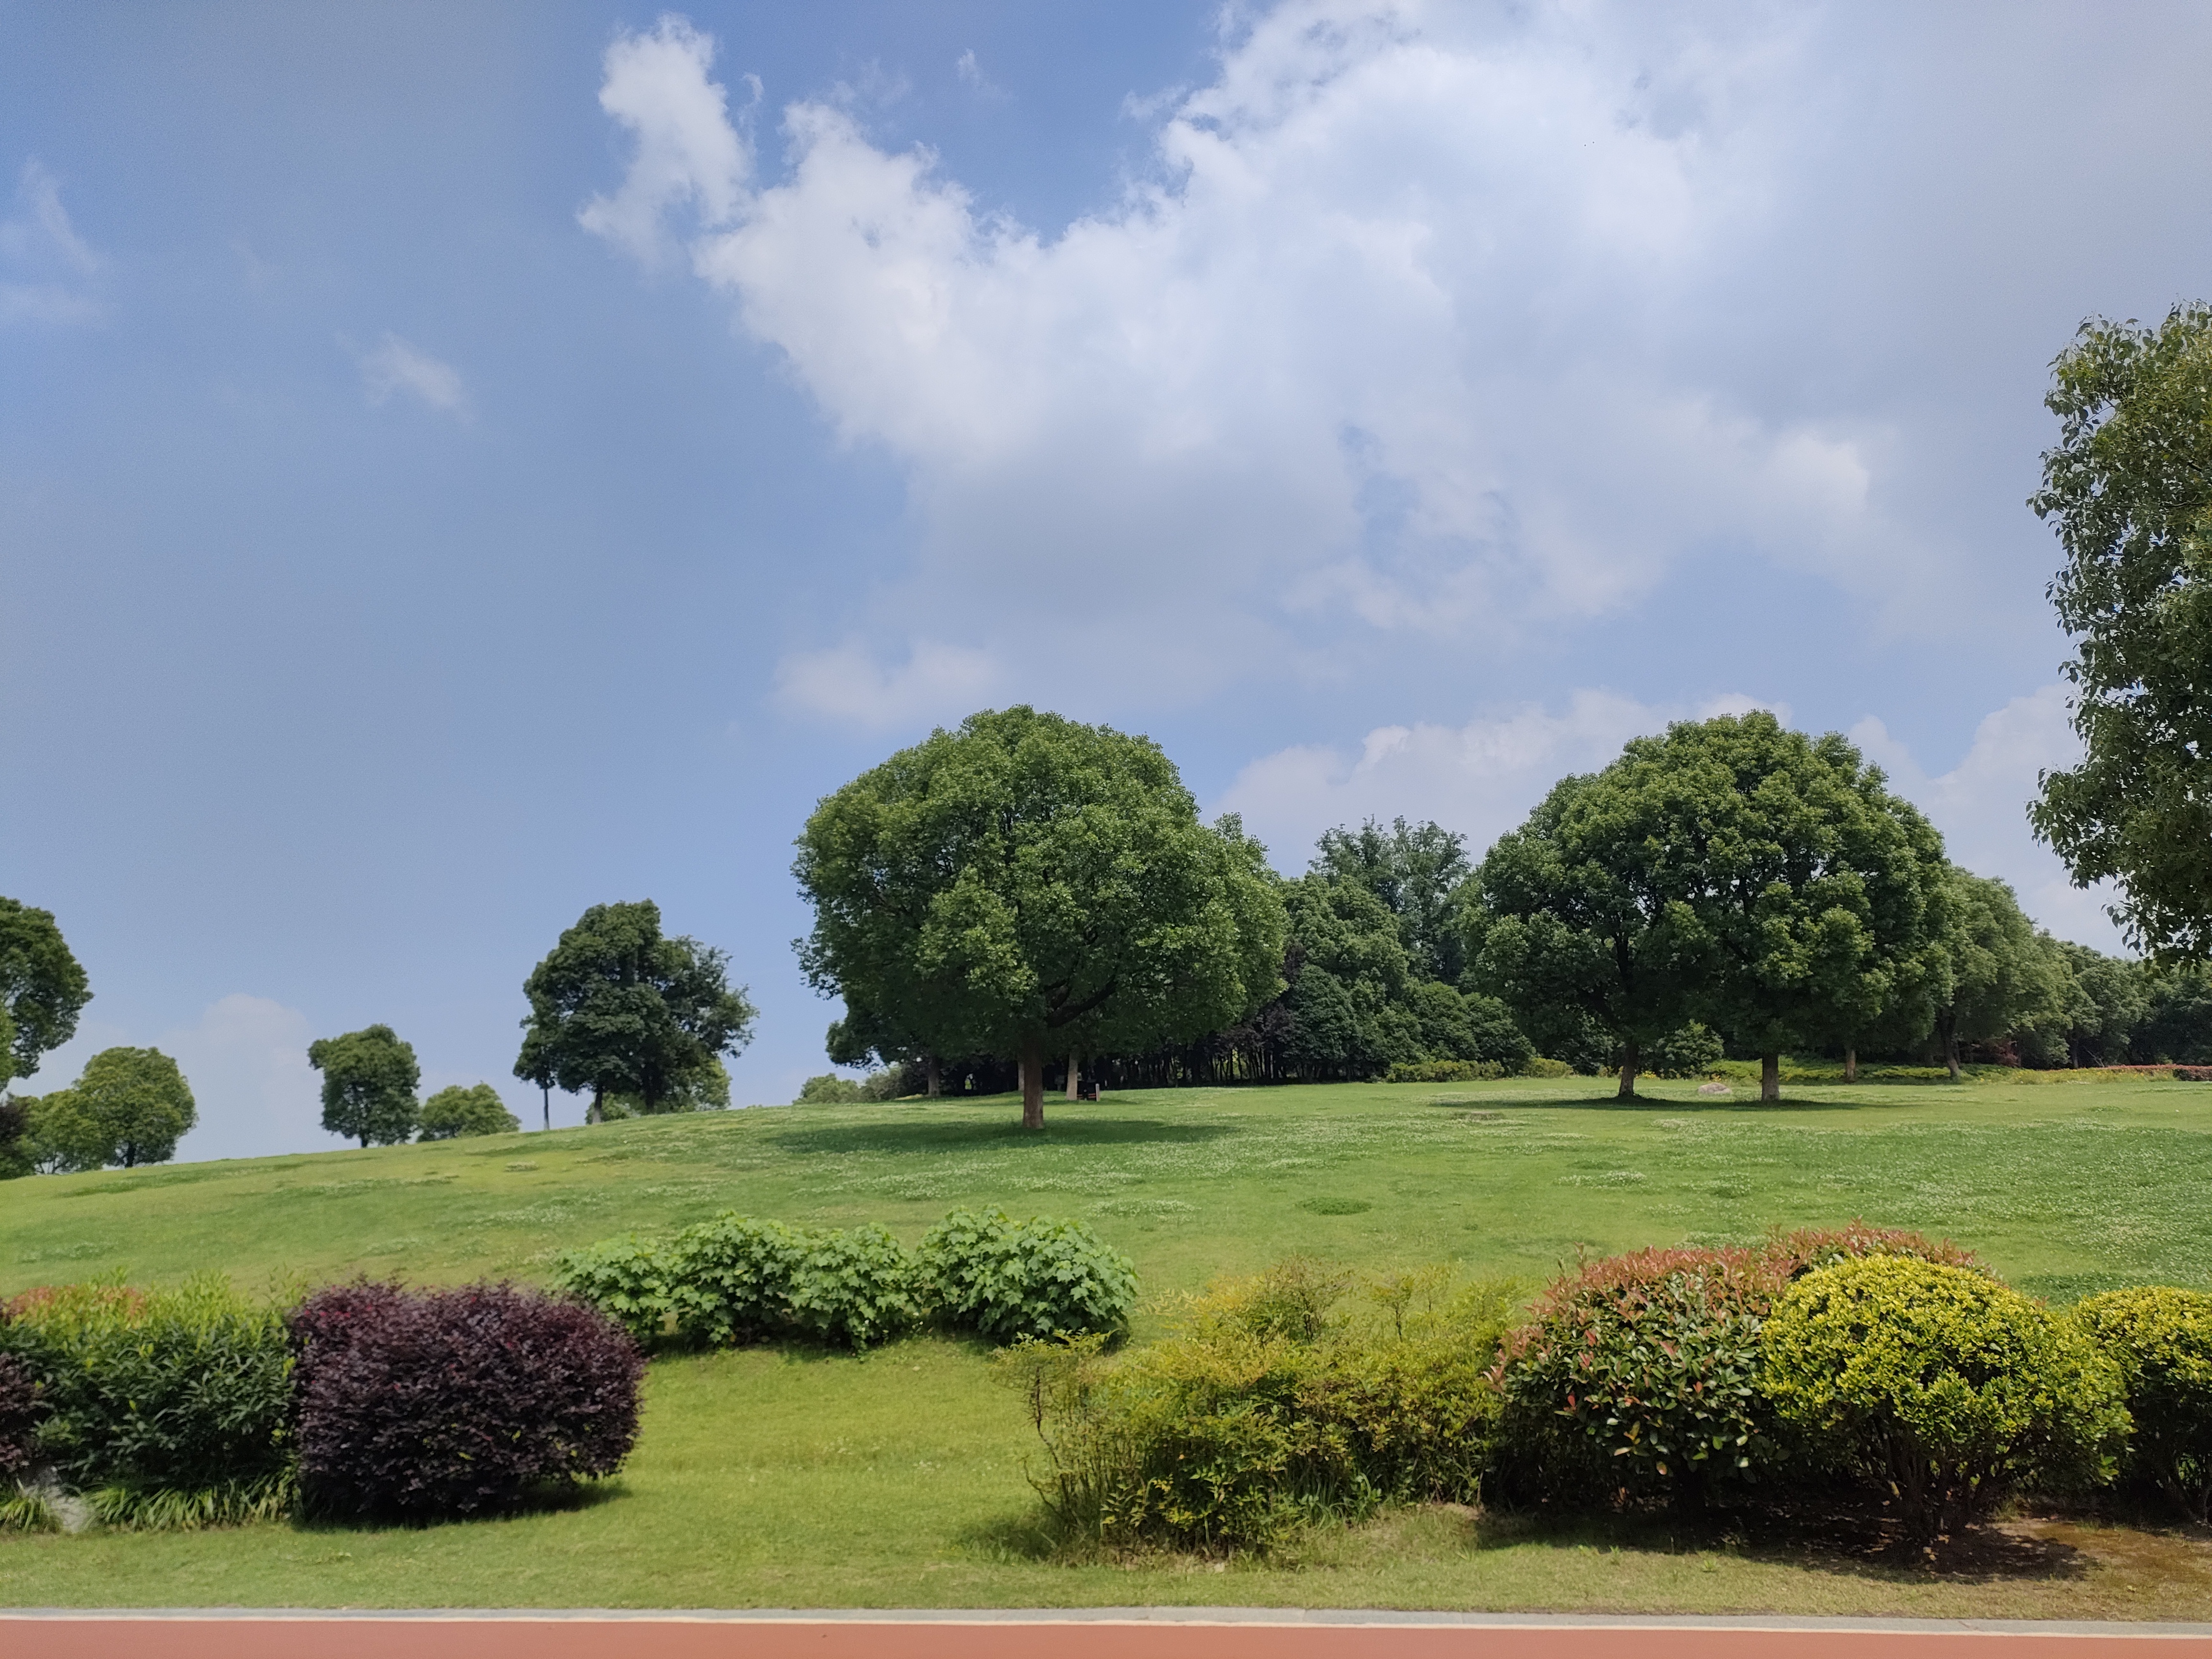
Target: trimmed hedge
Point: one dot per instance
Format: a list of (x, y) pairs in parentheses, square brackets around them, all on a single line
[(1939, 1381), (167, 1408), (419, 1405), (2161, 1339), (1006, 1279)]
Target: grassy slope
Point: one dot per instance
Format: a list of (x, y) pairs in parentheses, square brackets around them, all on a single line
[(768, 1479)]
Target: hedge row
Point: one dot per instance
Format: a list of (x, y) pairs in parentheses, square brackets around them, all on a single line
[(197, 1406), (735, 1280)]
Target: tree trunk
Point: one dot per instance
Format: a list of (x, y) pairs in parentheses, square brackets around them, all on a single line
[(1033, 1083), (593, 1116), (545, 1099), (1850, 1065), (1949, 1026), (1631, 1059), (936, 1081), (1770, 1076), (1074, 1072)]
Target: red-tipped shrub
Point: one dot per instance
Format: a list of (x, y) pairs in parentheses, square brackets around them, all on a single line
[(420, 1404)]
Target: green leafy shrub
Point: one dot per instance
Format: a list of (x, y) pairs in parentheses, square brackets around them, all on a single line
[(1267, 1408), (454, 1112), (1004, 1279), (734, 1280), (1690, 1051), (1537, 1066), (20, 1408), (1444, 1071), (1939, 1383), (167, 1408), (1637, 1379), (2161, 1340), (829, 1090)]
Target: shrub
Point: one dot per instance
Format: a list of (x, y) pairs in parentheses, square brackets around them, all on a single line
[(1537, 1066), (1690, 1051), (168, 1408), (735, 1280), (1444, 1071), (829, 1090), (1637, 1377), (1940, 1382), (414, 1405), (1004, 1279), (2161, 1340), (20, 1412), (454, 1112)]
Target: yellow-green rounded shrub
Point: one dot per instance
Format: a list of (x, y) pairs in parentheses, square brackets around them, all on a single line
[(1939, 1384), (2161, 1339)]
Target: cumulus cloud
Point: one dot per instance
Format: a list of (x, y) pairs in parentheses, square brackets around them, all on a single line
[(936, 682), (1480, 779), (1390, 330), (392, 367), (49, 265), (1981, 806)]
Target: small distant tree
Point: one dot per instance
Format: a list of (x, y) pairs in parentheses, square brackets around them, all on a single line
[(1028, 886), (2003, 974), (829, 1090), (59, 1139), (15, 1137), (1416, 870), (42, 988), (454, 1112), (616, 1008), (2129, 488), (369, 1079), (134, 1106)]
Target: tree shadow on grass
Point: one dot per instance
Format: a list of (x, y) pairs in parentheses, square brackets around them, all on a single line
[(553, 1497), (1655, 1105), (945, 1135)]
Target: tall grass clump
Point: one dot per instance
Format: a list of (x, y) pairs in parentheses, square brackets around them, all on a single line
[(165, 1408), (1272, 1405)]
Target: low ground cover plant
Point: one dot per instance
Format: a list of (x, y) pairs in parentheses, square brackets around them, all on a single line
[(1939, 1381), (1272, 1405), (2161, 1339), (419, 1405), (165, 1408)]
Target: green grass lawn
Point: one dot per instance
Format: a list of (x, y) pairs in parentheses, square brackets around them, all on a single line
[(775, 1479)]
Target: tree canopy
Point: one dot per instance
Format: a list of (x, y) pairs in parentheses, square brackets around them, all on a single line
[(42, 988), (454, 1112), (2128, 487), (1415, 870), (617, 1009), (1027, 885), (128, 1107), (369, 1079)]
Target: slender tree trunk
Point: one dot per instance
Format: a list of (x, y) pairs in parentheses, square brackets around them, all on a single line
[(1632, 1061), (936, 1080), (1033, 1083), (1074, 1072), (545, 1099), (1850, 1064), (1950, 1028), (1769, 1075), (594, 1116)]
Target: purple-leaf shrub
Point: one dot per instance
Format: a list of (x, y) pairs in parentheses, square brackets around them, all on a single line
[(414, 1405), (19, 1415)]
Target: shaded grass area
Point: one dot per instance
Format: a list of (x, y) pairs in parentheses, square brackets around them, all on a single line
[(796, 1479)]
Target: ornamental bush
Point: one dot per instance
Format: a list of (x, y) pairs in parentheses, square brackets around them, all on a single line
[(1004, 1279), (734, 1280), (1268, 1407), (415, 1405), (165, 1408), (1939, 1382), (2161, 1339), (21, 1409), (1637, 1379)]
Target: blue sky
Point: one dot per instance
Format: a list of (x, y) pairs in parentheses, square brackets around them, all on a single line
[(461, 462)]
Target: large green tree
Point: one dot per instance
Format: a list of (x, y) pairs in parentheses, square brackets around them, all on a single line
[(369, 1079), (131, 1106), (2003, 976), (1027, 886), (2128, 487), (619, 1009), (42, 988), (1416, 870)]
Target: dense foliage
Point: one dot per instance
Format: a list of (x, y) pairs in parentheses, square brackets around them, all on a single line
[(168, 1408), (2161, 1339), (42, 988), (1270, 1406), (423, 1405), (454, 1112), (131, 1106), (1940, 1383), (20, 1408), (1006, 1279), (369, 1078), (2128, 487)]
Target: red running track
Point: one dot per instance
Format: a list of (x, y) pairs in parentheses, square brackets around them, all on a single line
[(111, 1636)]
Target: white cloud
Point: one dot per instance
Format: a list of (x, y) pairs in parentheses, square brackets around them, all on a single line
[(393, 366), (1392, 331), (41, 247), (1481, 779), (1981, 807), (936, 683)]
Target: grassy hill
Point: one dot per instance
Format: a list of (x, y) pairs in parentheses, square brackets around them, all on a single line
[(768, 1478)]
